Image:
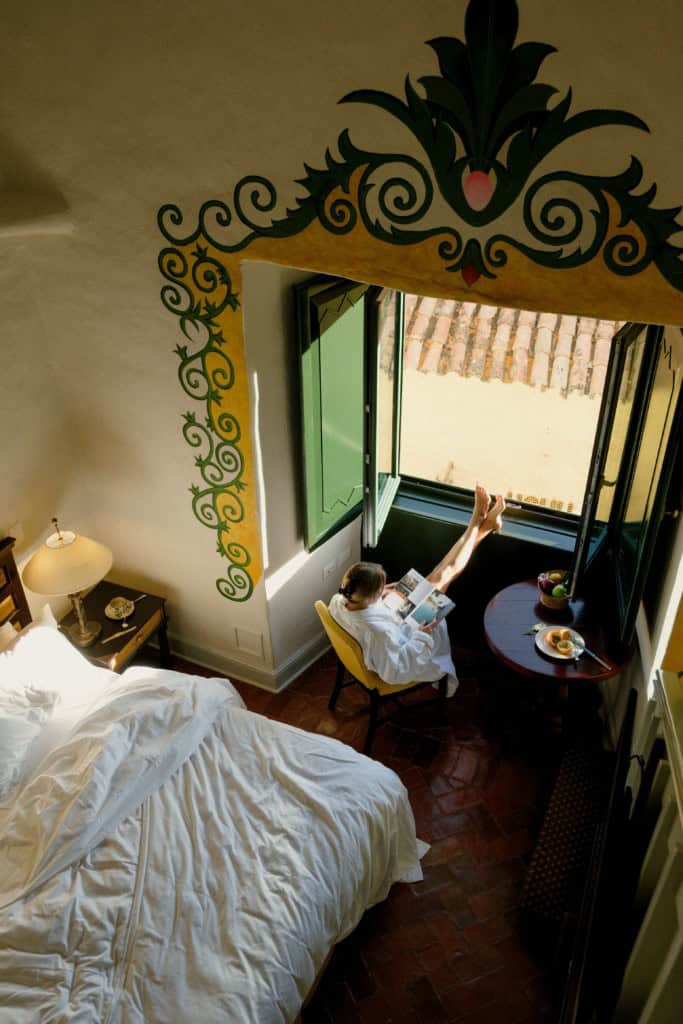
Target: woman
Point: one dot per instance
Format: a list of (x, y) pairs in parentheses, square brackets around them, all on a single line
[(396, 650)]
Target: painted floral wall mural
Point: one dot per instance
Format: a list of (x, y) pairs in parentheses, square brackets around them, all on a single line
[(475, 212)]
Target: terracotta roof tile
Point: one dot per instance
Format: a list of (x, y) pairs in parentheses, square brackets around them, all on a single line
[(563, 352)]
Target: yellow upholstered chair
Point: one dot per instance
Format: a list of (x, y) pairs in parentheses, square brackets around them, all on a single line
[(350, 659)]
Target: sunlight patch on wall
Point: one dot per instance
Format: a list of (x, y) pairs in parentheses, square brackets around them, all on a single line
[(285, 573)]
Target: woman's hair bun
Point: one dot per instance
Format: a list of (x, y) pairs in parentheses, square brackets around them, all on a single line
[(361, 580)]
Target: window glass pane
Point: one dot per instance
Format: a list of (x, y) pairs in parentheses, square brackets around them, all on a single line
[(386, 328), (620, 404), (656, 593), (636, 531), (622, 416), (504, 396)]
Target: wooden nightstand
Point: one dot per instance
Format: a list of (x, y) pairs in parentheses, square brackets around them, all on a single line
[(149, 618)]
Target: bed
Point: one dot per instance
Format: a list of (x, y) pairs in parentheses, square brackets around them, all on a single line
[(166, 855)]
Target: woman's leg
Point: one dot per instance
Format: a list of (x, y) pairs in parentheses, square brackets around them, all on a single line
[(483, 522)]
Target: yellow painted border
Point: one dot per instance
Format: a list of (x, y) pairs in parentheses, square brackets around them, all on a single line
[(591, 289)]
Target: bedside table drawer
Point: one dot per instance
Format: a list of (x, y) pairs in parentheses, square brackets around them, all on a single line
[(7, 608), (143, 634)]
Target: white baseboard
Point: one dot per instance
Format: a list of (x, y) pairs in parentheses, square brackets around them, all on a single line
[(272, 679), (264, 678), (292, 667)]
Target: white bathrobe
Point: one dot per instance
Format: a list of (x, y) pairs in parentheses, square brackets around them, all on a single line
[(398, 652)]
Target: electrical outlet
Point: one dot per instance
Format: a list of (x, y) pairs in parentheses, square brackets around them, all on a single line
[(344, 559), (329, 571)]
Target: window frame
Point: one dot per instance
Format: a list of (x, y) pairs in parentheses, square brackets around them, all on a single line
[(378, 498), (584, 557), (449, 503), (627, 601)]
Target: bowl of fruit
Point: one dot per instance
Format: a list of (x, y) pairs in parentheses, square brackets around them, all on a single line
[(553, 589)]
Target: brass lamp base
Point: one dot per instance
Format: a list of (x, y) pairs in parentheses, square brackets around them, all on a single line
[(86, 637), (82, 633)]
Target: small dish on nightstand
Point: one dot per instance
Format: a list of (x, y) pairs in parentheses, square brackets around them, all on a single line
[(119, 608)]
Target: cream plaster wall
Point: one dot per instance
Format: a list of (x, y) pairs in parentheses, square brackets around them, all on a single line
[(111, 111), (294, 578), (41, 455)]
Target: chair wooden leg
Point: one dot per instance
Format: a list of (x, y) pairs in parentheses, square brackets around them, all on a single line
[(443, 693), (338, 686), (374, 714)]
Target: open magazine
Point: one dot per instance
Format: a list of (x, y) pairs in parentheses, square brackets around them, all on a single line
[(417, 601)]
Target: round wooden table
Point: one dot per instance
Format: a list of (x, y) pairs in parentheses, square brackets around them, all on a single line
[(512, 612)]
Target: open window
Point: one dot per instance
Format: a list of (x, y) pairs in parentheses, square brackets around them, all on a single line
[(589, 406), (506, 397)]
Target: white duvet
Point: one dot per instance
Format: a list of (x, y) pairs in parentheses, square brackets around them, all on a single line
[(179, 858)]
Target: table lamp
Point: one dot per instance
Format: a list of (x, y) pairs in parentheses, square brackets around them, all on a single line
[(68, 563)]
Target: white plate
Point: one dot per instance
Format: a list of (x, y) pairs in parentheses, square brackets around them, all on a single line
[(547, 648), (119, 608)]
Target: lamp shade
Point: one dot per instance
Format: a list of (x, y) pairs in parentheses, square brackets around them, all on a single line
[(66, 564)]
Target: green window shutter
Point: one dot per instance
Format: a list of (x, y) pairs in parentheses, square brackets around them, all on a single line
[(330, 329)]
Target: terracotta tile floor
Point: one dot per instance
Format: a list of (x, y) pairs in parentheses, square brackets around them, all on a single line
[(445, 949)]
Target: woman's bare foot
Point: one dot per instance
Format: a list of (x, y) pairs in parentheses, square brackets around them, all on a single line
[(482, 500), (493, 521)]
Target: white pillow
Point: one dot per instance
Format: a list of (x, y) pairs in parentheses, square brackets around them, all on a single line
[(8, 635), (47, 617), (42, 658), (23, 716)]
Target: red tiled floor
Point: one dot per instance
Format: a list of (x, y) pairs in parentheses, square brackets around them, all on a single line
[(444, 950)]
